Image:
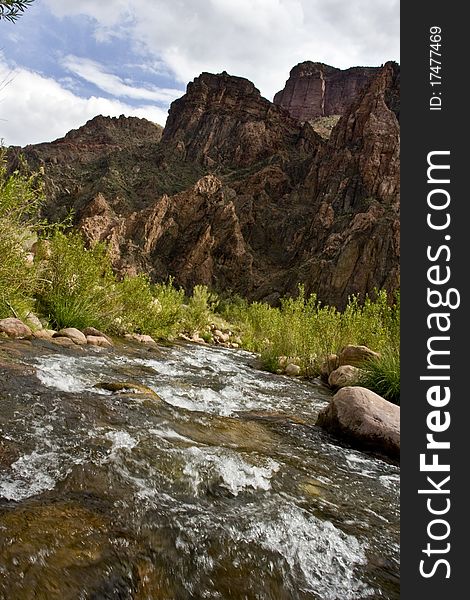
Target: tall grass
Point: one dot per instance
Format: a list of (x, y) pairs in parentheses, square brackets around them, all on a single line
[(382, 375), (20, 197), (79, 287), (307, 331)]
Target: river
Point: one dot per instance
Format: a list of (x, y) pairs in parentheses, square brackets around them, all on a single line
[(211, 481)]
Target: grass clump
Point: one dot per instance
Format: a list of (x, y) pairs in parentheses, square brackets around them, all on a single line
[(382, 376), (80, 290), (78, 285)]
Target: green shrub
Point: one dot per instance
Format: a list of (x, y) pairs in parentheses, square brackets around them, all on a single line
[(79, 288), (171, 316), (140, 311), (20, 198), (200, 310), (306, 331)]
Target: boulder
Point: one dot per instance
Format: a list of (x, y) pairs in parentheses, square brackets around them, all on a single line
[(356, 355), (292, 370), (14, 328), (98, 340), (73, 334), (44, 334), (96, 332), (344, 376), (364, 419)]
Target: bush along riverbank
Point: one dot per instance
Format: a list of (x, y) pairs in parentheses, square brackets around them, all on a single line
[(51, 281)]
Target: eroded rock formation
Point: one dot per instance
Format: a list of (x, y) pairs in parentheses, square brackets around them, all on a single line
[(237, 194), (318, 90)]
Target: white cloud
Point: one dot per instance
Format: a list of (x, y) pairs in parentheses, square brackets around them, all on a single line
[(34, 108), (94, 73), (258, 39)]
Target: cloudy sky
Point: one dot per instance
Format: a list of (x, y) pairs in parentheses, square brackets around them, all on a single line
[(65, 61)]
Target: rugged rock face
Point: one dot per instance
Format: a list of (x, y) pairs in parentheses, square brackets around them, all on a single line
[(356, 179), (224, 120), (237, 194), (318, 90)]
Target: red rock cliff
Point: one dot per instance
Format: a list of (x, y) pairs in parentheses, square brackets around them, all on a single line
[(238, 194), (317, 90)]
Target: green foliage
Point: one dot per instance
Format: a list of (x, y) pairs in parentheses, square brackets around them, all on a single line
[(10, 10), (302, 329), (155, 310), (171, 302), (79, 288), (382, 376), (20, 199), (75, 286), (200, 310)]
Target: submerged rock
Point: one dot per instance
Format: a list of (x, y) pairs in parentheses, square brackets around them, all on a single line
[(127, 387), (365, 419)]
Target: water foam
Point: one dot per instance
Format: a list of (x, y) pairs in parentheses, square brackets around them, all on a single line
[(234, 473), (325, 556)]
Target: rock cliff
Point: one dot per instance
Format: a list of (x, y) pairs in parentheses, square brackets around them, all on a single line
[(318, 90), (237, 193)]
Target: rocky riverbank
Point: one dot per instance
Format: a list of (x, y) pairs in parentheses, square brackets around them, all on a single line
[(354, 414)]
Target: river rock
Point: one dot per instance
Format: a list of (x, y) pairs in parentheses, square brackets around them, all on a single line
[(365, 419), (73, 334), (220, 336), (127, 388), (344, 376), (356, 355), (98, 340), (95, 332), (14, 328), (141, 338), (292, 370), (33, 321), (44, 334), (64, 341)]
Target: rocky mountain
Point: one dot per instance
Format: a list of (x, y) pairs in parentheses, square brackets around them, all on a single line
[(317, 90), (237, 193)]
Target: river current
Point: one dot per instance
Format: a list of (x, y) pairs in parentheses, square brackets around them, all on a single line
[(186, 473)]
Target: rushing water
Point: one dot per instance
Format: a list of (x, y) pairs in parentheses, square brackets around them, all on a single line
[(220, 487)]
